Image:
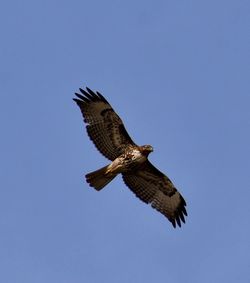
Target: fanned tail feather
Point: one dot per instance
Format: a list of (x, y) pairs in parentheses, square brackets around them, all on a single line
[(99, 178)]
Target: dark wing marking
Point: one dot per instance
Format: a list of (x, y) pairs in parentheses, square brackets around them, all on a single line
[(104, 126), (152, 186)]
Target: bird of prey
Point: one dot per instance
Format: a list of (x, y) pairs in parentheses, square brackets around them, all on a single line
[(107, 131)]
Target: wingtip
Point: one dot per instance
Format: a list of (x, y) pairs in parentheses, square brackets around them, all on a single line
[(173, 223), (102, 97), (184, 211), (89, 90), (89, 95), (177, 219), (81, 97)]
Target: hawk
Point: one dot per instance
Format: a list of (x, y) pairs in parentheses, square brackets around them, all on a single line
[(107, 131)]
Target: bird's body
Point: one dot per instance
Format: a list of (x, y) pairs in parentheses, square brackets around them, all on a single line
[(132, 158), (106, 130)]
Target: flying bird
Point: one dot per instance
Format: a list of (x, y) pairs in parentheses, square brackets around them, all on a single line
[(107, 131)]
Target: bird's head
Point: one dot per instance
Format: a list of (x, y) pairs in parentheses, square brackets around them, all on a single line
[(146, 149)]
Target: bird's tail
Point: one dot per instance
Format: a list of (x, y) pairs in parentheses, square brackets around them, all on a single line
[(100, 178)]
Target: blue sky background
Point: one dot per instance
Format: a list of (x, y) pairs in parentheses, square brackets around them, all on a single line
[(177, 72)]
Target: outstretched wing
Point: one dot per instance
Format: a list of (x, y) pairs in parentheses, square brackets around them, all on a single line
[(104, 126), (152, 186)]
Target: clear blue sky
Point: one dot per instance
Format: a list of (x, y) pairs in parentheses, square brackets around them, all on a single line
[(177, 72)]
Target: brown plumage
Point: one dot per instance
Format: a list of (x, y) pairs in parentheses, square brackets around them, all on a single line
[(107, 131)]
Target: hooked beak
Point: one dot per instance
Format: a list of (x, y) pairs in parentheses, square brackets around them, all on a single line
[(150, 149)]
